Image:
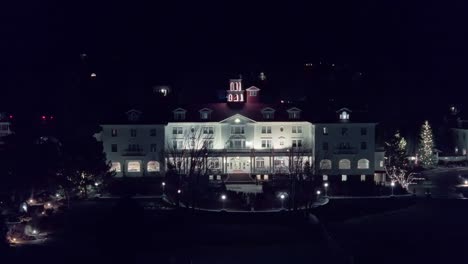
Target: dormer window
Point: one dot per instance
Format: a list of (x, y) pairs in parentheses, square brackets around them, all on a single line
[(133, 115), (344, 115), (294, 113), (253, 93), (179, 114), (268, 113), (205, 113)]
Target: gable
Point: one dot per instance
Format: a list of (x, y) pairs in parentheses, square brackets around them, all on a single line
[(179, 110), (237, 118), (268, 110), (253, 88), (294, 109)]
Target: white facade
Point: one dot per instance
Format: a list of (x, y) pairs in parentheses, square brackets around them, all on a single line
[(134, 149), (240, 145), (461, 142)]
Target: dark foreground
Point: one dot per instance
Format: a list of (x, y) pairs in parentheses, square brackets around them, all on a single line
[(352, 231)]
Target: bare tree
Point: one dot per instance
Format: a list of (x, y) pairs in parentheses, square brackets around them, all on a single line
[(400, 176), (187, 158), (300, 169)]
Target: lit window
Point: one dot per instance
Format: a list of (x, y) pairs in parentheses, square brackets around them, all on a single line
[(114, 132), (211, 177), (253, 93), (381, 163), (133, 132), (134, 166), (344, 177), (325, 164), (464, 151), (115, 166), (363, 177), (325, 131), (266, 129), (344, 164), (114, 147), (344, 115), (363, 164), (153, 166), (325, 177), (152, 132), (456, 150), (265, 177), (266, 143)]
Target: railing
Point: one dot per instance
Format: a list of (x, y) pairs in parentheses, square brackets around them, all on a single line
[(133, 152), (345, 151)]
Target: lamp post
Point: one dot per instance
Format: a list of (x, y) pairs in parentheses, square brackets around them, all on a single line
[(466, 182), (223, 199), (318, 194), (282, 197), (392, 185), (326, 189), (163, 185), (178, 197)]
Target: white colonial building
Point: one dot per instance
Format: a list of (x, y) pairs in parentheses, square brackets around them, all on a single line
[(245, 140), (133, 147)]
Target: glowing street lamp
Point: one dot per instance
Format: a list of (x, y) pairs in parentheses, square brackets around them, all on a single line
[(282, 197), (163, 185), (179, 191), (223, 199), (326, 188), (392, 184), (318, 194), (466, 182)]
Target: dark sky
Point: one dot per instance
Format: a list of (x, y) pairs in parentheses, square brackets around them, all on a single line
[(406, 49)]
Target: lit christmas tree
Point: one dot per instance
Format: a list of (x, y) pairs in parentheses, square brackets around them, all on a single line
[(426, 145)]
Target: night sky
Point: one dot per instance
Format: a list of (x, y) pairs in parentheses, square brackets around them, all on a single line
[(406, 50)]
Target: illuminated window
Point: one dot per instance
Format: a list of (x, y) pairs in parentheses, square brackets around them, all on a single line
[(297, 143), (363, 177), (205, 113), (115, 166), (253, 93), (266, 143), (344, 177), (153, 166), (297, 129), (344, 115), (344, 164), (363, 164), (177, 130), (325, 131), (266, 129), (114, 147), (208, 130), (114, 132), (464, 151), (260, 163), (213, 163), (134, 166), (325, 164), (381, 163), (325, 177), (152, 132), (133, 132)]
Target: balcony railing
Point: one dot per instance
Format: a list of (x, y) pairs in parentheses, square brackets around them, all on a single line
[(345, 151), (133, 152)]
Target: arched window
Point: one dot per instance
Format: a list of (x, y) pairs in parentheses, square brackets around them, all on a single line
[(153, 166), (363, 164), (325, 164), (134, 166), (116, 167), (344, 164)]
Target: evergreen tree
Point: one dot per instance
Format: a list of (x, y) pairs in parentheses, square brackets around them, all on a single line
[(395, 151), (426, 145)]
